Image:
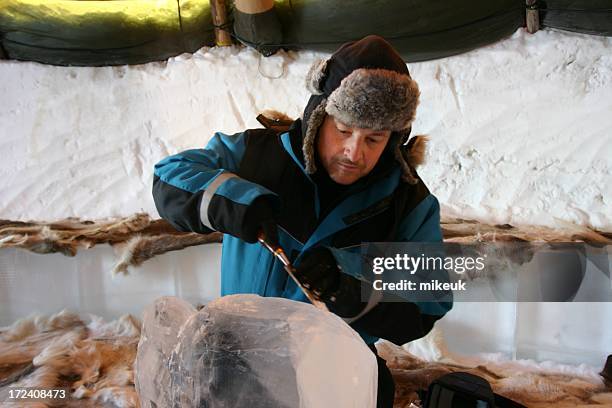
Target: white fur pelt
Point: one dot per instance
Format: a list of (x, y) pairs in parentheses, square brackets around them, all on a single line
[(93, 361)]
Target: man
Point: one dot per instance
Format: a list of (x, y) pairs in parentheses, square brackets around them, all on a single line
[(339, 177)]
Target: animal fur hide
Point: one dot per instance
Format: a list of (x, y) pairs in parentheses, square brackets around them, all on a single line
[(95, 361), (141, 238), (466, 231), (535, 385)]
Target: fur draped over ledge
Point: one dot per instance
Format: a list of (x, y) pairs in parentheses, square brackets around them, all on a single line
[(141, 238)]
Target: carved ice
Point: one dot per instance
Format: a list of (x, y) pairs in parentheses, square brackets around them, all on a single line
[(254, 352)]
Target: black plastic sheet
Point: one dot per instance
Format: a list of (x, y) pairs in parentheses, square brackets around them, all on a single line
[(419, 29), (584, 16)]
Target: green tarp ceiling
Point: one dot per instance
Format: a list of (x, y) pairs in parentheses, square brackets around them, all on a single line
[(112, 32)]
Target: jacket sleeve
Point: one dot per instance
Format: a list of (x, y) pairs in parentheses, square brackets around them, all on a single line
[(401, 321), (197, 190)]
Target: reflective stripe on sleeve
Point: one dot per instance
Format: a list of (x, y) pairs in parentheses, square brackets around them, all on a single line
[(208, 195)]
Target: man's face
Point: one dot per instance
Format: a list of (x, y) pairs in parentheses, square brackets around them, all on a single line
[(347, 153)]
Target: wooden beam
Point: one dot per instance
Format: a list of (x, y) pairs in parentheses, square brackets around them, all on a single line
[(532, 16), (218, 10)]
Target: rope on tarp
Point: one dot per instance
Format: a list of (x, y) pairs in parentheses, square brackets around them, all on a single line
[(180, 17)]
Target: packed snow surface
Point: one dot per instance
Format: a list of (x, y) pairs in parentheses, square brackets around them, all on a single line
[(521, 130)]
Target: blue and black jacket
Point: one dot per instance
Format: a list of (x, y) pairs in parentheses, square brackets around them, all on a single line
[(208, 189)]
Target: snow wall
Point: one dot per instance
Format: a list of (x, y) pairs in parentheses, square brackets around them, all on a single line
[(520, 132)]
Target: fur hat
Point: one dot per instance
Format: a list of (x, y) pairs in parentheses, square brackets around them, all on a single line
[(364, 84)]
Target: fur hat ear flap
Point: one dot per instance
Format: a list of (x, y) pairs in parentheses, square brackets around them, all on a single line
[(410, 156), (315, 78), (308, 144)]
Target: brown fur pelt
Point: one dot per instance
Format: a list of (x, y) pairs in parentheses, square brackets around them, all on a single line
[(142, 237), (93, 362), (142, 248), (71, 234), (532, 387), (68, 235), (468, 231)]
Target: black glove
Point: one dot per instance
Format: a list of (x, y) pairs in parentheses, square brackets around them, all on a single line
[(260, 216), (319, 273)]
